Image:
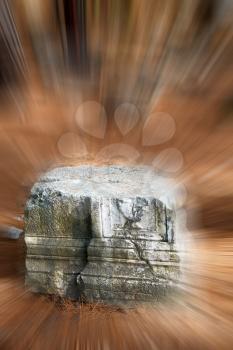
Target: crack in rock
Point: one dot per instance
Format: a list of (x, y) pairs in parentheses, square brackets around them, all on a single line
[(137, 212)]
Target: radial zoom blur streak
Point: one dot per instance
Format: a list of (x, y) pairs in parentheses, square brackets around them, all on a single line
[(112, 81)]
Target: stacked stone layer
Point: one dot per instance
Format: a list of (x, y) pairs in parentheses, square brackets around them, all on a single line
[(97, 232)]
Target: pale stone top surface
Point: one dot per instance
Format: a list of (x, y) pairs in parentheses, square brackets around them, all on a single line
[(107, 181)]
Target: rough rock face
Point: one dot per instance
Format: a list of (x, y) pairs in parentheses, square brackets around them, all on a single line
[(100, 233)]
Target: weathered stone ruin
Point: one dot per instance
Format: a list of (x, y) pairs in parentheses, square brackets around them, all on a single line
[(99, 233)]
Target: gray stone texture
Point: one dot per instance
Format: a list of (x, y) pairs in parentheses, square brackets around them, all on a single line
[(101, 234)]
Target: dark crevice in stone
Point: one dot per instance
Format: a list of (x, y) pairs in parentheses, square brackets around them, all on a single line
[(137, 211), (139, 252), (79, 280), (81, 286)]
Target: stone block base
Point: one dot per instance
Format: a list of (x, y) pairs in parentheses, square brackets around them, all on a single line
[(98, 233)]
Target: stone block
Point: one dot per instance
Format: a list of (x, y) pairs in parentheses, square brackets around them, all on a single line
[(99, 233)]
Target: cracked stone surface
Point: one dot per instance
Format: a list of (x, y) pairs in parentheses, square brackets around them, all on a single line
[(102, 234)]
